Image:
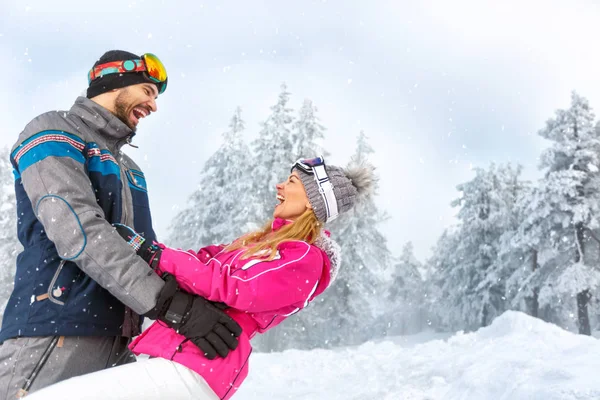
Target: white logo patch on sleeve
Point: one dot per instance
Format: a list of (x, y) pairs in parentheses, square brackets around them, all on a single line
[(255, 261)]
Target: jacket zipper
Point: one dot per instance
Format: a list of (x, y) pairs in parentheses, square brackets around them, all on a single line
[(125, 192), (126, 199)]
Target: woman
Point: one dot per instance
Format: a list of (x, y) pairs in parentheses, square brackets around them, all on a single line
[(262, 277)]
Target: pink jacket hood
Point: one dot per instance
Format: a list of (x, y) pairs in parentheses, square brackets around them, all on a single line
[(260, 293)]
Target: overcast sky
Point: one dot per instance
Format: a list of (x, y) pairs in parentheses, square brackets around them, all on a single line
[(438, 86)]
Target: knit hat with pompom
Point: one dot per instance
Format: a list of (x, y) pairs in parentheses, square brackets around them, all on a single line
[(350, 185)]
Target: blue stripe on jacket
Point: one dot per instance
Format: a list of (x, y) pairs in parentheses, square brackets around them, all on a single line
[(48, 144), (104, 167)]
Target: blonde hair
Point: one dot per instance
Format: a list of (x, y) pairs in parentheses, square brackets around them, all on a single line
[(306, 228)]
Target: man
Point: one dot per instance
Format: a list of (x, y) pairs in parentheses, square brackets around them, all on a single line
[(79, 287)]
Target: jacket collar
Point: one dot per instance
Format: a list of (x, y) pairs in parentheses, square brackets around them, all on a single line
[(324, 242), (279, 222), (101, 120)]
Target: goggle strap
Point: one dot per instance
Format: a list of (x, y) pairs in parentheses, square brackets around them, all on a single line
[(121, 67), (115, 67), (320, 172), (324, 184), (326, 190), (303, 167)]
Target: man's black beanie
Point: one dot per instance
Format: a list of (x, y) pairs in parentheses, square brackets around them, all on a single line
[(114, 81)]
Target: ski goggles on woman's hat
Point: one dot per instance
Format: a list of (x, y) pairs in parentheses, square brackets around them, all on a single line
[(149, 64), (316, 167)]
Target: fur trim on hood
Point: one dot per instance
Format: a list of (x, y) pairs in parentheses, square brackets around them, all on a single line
[(333, 251)]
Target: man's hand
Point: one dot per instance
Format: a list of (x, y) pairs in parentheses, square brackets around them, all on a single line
[(196, 318), (201, 321)]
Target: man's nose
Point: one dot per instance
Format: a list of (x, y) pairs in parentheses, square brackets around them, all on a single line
[(153, 106)]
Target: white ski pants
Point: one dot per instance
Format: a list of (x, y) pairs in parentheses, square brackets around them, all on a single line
[(151, 379)]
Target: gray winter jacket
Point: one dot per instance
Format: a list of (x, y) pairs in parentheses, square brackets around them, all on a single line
[(76, 274)]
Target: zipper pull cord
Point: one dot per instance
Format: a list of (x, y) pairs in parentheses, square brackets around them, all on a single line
[(132, 145)]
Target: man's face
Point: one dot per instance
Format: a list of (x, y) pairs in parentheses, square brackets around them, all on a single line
[(135, 102)]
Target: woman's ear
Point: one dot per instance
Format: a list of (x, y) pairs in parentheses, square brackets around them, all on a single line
[(308, 205)]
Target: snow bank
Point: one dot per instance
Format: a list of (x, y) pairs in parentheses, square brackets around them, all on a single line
[(517, 357)]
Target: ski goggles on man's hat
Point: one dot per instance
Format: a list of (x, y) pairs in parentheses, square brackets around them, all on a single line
[(316, 167), (149, 64)]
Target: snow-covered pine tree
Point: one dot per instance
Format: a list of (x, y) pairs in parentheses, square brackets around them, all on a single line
[(444, 306), (307, 132), (474, 285), (9, 243), (406, 311), (221, 208), (519, 254), (508, 191), (350, 310), (273, 155), (359, 293), (562, 215)]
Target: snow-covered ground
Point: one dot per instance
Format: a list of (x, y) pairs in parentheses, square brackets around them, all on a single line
[(517, 357)]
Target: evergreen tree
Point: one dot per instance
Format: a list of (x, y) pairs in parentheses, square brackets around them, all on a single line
[(562, 214), (443, 304), (350, 311), (507, 191), (306, 134), (358, 296), (519, 256), (272, 151), (366, 258), (9, 243), (473, 283), (307, 131), (221, 208), (406, 296)]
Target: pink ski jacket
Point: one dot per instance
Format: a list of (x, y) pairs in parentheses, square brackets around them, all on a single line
[(260, 293)]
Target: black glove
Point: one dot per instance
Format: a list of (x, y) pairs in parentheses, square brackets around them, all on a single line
[(142, 247), (201, 321), (196, 318)]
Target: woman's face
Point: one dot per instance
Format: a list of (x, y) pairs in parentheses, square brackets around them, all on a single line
[(292, 198)]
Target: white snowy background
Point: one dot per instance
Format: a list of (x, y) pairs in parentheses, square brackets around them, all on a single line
[(439, 86), (479, 118)]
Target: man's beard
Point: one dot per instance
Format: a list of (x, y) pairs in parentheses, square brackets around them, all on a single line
[(121, 109)]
